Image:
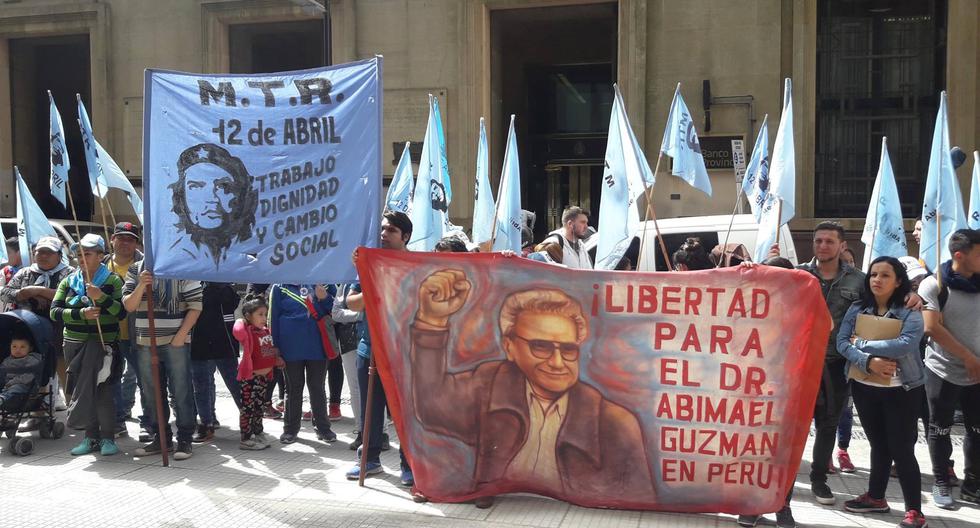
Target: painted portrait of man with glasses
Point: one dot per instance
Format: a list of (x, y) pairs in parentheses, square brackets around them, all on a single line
[(529, 418)]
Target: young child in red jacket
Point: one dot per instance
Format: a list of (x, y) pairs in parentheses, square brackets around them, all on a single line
[(259, 357)]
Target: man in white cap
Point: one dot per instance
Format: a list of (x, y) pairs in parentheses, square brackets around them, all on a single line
[(32, 288)]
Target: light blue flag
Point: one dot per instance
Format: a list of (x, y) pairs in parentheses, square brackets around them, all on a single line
[(681, 143), (402, 184), (59, 154), (884, 234), (430, 207), (782, 181), (443, 159), (483, 208), (942, 205), (259, 177), (96, 178), (508, 235), (974, 213), (755, 184), (627, 175), (103, 171), (31, 222)]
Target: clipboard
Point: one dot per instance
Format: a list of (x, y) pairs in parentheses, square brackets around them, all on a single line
[(874, 328)]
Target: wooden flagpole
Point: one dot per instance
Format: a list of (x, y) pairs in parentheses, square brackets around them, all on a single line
[(366, 420), (651, 213), (155, 368)]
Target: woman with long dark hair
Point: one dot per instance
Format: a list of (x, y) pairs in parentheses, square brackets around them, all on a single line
[(887, 385)]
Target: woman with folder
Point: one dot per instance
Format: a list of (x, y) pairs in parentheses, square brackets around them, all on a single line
[(880, 337)]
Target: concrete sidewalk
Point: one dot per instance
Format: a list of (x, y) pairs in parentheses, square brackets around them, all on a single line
[(303, 484)]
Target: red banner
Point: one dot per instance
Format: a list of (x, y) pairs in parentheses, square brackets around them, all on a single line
[(684, 392)]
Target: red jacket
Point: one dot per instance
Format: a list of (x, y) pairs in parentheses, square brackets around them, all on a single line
[(257, 349)]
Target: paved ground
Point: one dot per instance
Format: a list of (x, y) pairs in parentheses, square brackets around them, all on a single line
[(303, 485)]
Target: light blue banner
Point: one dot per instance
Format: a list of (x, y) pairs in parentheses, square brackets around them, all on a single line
[(755, 185), (942, 204), (681, 144), (484, 207), (430, 203), (884, 234), (402, 186), (627, 175), (59, 154), (974, 213), (262, 178), (443, 158), (509, 221), (779, 205), (31, 222)]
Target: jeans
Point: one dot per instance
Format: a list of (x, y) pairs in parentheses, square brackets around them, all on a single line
[(844, 426), (378, 403), (314, 374), (349, 359), (890, 418), (943, 398), (202, 372), (175, 361), (831, 399), (125, 393)]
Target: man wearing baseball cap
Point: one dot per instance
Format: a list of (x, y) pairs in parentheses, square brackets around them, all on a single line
[(125, 252)]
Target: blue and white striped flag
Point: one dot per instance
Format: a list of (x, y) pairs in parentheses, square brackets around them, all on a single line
[(59, 154), (974, 213), (627, 175), (402, 184), (508, 234), (31, 222), (942, 204), (681, 143), (884, 234), (483, 207)]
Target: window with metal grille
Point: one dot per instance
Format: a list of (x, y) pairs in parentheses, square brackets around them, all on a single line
[(880, 68)]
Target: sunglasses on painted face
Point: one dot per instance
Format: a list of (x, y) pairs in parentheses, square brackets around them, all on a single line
[(544, 349)]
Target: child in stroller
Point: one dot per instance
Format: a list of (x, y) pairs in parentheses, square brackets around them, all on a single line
[(27, 361)]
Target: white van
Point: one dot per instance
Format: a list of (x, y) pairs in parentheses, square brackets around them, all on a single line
[(710, 229)]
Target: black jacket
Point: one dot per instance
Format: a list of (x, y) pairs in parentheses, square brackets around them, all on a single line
[(212, 337)]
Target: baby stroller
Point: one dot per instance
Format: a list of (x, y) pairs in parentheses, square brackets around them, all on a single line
[(39, 400)]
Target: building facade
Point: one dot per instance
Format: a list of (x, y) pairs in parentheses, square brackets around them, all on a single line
[(861, 69)]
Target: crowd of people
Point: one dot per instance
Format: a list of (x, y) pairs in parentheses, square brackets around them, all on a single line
[(281, 339)]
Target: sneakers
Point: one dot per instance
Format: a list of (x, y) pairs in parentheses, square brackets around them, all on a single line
[(334, 412), (264, 438), (204, 433), (108, 447), (87, 446), (121, 431), (272, 412), (280, 406), (356, 443), (252, 444), (953, 479), (866, 504), (308, 416), (327, 436), (371, 468), (385, 443), (484, 502), (831, 470), (184, 450), (151, 448), (844, 461), (970, 492), (821, 491), (145, 435), (913, 519), (287, 438), (748, 521), (784, 518), (408, 478), (941, 496)]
